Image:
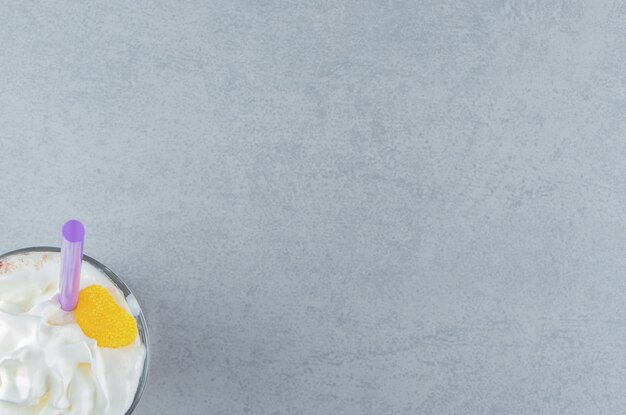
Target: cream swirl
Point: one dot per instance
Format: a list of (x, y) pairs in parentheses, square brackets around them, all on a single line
[(47, 365)]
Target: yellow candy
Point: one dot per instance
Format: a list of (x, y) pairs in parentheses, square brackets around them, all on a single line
[(102, 319)]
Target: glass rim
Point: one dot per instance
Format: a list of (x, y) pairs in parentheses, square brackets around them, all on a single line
[(142, 325)]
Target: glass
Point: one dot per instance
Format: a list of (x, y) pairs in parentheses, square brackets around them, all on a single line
[(141, 320)]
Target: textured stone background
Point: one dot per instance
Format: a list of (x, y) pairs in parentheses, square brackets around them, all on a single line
[(337, 207)]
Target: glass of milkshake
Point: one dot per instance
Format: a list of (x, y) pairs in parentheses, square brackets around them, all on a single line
[(55, 362)]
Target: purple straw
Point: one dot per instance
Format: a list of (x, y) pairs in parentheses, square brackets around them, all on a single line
[(71, 261)]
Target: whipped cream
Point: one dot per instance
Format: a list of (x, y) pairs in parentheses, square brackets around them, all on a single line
[(47, 364)]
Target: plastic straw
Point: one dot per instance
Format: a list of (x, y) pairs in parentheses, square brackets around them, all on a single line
[(71, 261)]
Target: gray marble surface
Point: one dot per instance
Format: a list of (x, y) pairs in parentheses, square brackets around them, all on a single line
[(337, 207)]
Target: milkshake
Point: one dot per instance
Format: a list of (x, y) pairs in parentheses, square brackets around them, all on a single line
[(89, 361)]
